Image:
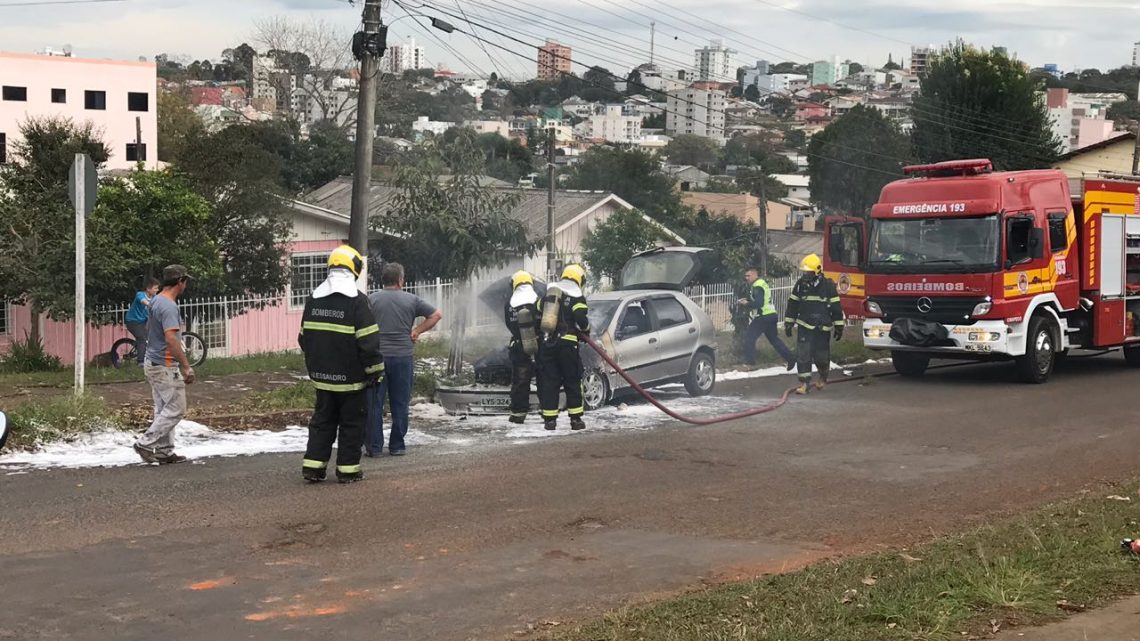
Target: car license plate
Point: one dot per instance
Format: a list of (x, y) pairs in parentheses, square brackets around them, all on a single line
[(496, 402)]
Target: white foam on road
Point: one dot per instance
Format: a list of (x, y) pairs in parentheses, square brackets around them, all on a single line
[(113, 448)]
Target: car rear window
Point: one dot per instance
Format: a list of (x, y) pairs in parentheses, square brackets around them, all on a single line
[(670, 312)]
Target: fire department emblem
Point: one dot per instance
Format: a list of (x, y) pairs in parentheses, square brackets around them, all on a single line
[(1023, 283), (844, 284)]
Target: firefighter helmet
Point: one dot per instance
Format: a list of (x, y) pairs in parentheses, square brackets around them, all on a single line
[(348, 258), (811, 263), (575, 273), (521, 277)]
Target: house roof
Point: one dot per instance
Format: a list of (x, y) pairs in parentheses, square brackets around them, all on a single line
[(335, 200), (792, 246), (1127, 135), (793, 180)]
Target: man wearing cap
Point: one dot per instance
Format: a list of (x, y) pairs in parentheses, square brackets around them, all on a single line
[(167, 369)]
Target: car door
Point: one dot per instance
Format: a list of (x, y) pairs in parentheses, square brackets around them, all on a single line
[(677, 335), (636, 341)]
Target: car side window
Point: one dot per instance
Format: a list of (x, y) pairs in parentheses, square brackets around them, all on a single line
[(634, 322), (670, 312)]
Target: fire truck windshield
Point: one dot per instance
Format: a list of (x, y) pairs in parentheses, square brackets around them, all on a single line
[(933, 245)]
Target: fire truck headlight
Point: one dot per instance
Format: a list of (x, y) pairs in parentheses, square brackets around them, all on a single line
[(982, 308), (874, 308), (876, 332)]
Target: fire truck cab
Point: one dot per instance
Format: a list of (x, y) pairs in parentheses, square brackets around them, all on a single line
[(960, 261)]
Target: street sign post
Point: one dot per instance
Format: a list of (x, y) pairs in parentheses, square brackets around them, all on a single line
[(82, 185)]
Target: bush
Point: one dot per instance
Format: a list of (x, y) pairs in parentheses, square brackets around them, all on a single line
[(57, 419), (28, 356)]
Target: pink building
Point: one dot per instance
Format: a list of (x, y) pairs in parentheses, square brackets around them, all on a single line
[(117, 97)]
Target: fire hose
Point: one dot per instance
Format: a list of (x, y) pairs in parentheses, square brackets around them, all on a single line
[(775, 405)]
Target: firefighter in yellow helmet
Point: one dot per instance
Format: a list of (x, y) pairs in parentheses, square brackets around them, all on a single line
[(564, 317), (341, 342), (523, 322), (814, 309)]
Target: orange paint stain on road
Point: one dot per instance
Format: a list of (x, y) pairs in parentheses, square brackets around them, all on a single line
[(212, 584), (296, 613)]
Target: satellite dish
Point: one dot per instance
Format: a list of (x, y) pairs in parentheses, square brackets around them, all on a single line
[(67, 50)]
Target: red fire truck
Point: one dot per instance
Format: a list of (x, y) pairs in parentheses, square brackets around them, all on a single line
[(960, 261)]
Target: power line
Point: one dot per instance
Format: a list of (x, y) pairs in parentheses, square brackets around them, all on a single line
[(44, 3)]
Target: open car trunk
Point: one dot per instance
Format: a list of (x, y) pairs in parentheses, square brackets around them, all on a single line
[(669, 268)]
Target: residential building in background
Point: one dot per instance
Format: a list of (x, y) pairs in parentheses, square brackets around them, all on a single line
[(752, 74), (780, 83), (1080, 120), (920, 59), (262, 90), (715, 63), (501, 127), (663, 80), (697, 112), (1136, 55), (612, 125), (554, 60), (828, 73), (406, 56), (425, 125), (117, 97)]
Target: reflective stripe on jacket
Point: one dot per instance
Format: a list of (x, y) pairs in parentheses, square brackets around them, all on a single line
[(341, 342), (815, 305)]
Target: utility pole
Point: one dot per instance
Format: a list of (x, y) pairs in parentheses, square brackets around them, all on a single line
[(368, 47), (1136, 150), (763, 229), (550, 253), (652, 40)]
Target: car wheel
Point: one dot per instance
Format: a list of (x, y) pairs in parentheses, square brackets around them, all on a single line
[(1132, 356), (702, 375), (595, 389)]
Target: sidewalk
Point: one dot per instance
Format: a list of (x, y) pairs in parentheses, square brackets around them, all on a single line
[(1118, 622)]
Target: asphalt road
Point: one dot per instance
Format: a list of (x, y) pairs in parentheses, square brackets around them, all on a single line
[(440, 546)]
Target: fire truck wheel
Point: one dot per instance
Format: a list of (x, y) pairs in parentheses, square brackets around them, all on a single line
[(1132, 356), (909, 364), (1040, 351)]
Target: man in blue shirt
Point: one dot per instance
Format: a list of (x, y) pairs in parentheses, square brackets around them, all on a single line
[(137, 315)]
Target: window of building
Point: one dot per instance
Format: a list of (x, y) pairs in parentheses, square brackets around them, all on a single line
[(59, 96), (95, 100), (136, 152), (137, 101), (5, 318), (308, 271), (15, 94)]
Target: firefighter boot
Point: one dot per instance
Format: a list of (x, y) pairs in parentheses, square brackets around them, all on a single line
[(518, 418), (820, 384), (551, 424), (350, 477), (803, 388), (313, 474), (576, 423)]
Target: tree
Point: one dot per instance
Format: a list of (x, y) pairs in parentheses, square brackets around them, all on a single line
[(316, 54), (177, 123), (979, 104), (854, 68), (759, 183), (320, 158), (718, 185), (782, 106), (752, 93), (37, 239), (462, 225), (891, 64), (633, 175), (607, 247), (688, 149), (241, 181), (795, 138), (506, 159), (655, 121), (853, 158), (633, 82), (1124, 112)]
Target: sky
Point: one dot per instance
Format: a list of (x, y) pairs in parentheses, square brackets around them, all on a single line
[(613, 33)]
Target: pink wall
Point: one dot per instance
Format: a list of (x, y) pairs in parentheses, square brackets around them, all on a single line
[(40, 74)]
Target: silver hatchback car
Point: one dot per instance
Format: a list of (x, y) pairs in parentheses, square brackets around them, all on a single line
[(656, 333)]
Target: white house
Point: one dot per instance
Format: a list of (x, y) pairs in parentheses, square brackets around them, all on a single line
[(424, 125), (612, 126), (798, 185)]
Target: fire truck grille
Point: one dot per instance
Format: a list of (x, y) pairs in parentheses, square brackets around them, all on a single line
[(937, 309)]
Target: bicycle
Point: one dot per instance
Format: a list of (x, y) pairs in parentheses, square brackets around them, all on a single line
[(123, 351)]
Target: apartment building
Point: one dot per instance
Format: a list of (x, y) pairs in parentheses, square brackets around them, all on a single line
[(1081, 120), (697, 112), (613, 125), (715, 63), (554, 60), (117, 97), (406, 56)]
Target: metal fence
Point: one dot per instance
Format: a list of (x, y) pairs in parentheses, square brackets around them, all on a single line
[(250, 325)]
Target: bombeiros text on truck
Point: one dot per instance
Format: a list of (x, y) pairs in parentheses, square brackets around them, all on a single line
[(960, 261)]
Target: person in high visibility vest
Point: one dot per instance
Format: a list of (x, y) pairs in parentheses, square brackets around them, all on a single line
[(814, 309), (765, 320)]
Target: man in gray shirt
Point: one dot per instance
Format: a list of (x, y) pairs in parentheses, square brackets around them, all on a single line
[(396, 311), (167, 369)]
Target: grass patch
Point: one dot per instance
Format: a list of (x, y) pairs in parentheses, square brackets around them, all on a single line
[(58, 419), (296, 396), (283, 361), (850, 350), (1014, 572)]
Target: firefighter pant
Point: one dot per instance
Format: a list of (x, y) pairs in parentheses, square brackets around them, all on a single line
[(523, 371), (559, 367), (338, 417), (768, 327), (813, 346)]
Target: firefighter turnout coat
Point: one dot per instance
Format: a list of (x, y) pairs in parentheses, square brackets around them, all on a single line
[(814, 305), (340, 338)]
